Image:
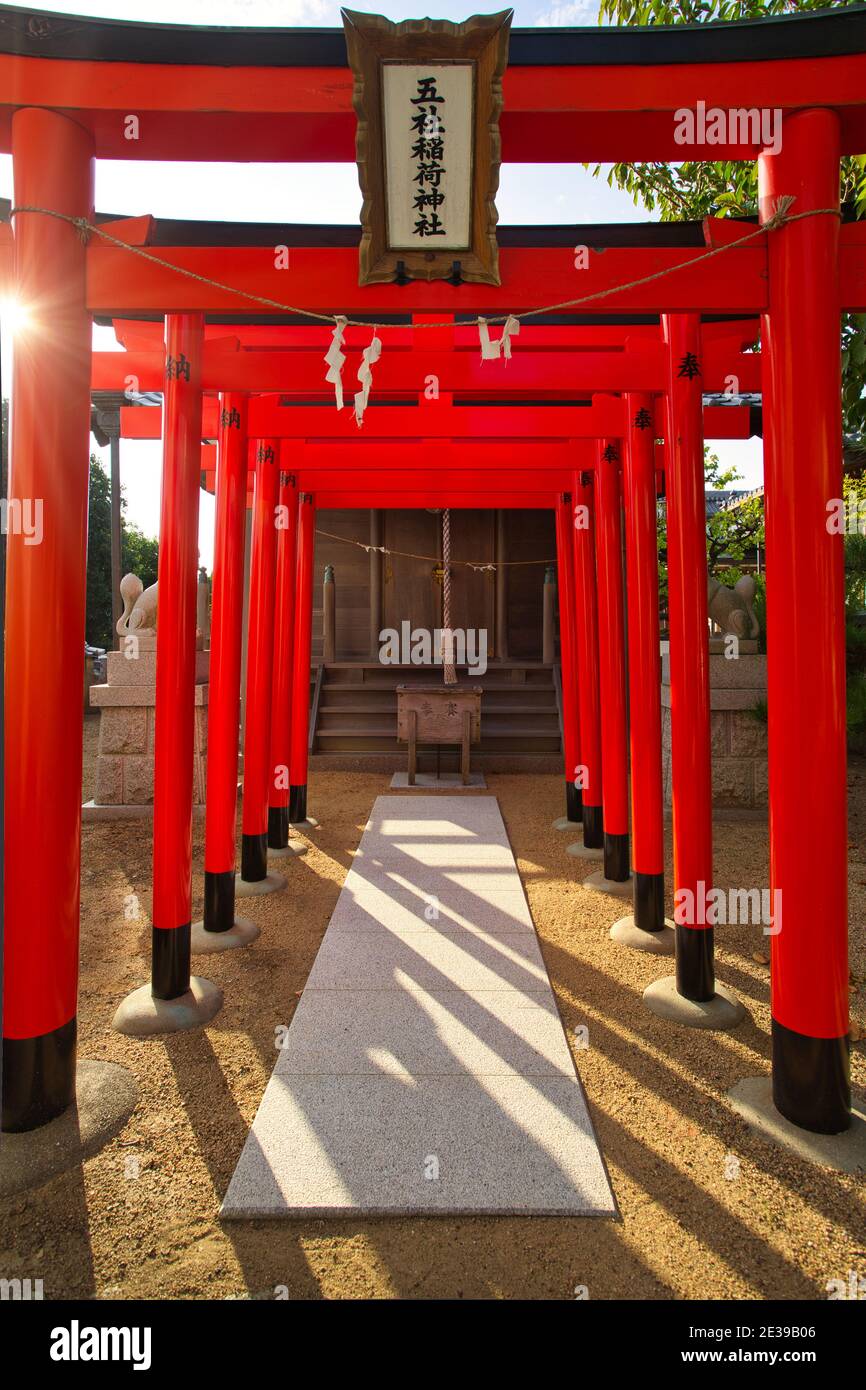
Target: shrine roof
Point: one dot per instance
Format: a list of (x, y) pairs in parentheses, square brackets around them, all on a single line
[(169, 231), (813, 34), (570, 95)]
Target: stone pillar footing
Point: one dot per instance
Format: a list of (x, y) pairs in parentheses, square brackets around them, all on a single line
[(254, 888), (617, 888), (626, 932), (752, 1098), (206, 943), (294, 847), (105, 1097), (723, 1011), (581, 851), (140, 1015)]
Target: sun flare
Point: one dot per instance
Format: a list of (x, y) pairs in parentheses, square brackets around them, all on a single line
[(14, 316)]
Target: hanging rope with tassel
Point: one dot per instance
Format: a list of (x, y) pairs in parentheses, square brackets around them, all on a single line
[(448, 666)]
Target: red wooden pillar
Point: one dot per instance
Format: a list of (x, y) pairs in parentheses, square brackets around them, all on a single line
[(611, 659), (284, 632), (644, 666), (45, 600), (568, 658), (586, 623), (301, 664), (260, 650), (806, 642), (225, 665), (174, 736), (691, 774)]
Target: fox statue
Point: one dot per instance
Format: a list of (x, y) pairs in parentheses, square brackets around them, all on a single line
[(732, 609)]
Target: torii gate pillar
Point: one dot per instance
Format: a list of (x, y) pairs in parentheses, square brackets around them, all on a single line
[(301, 670), (611, 661), (805, 631), (284, 643), (586, 605), (568, 659), (175, 658), (644, 674), (225, 666), (173, 1001), (257, 732), (691, 767), (53, 166)]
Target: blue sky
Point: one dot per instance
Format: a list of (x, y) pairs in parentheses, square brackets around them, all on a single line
[(320, 193)]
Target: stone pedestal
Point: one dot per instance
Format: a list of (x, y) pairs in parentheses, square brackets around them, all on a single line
[(739, 739), (127, 708)]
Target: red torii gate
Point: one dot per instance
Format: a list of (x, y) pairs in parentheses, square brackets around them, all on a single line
[(321, 470), (606, 95)]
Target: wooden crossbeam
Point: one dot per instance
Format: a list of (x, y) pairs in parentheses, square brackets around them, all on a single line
[(138, 422), (543, 375)]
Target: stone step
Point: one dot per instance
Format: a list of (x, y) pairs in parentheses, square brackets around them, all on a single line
[(355, 694)]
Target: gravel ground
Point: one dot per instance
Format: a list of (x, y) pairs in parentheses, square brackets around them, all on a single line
[(707, 1209)]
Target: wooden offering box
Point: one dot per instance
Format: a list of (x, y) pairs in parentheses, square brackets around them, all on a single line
[(439, 714)]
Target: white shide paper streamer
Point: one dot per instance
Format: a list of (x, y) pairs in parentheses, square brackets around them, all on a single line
[(491, 350), (369, 357), (335, 358)]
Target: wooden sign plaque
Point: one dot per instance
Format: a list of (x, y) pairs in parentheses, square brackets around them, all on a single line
[(427, 95)]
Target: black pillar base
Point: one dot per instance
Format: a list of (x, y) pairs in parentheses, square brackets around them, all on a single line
[(278, 827), (573, 802), (593, 827), (169, 969), (649, 901), (812, 1080), (298, 803), (38, 1077), (694, 957), (616, 865), (219, 901), (254, 857)]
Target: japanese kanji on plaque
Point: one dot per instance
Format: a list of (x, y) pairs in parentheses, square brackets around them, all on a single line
[(428, 154), (428, 95)]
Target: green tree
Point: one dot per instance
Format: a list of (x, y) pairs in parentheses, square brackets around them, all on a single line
[(139, 555), (97, 628), (726, 188), (732, 535), (855, 612)]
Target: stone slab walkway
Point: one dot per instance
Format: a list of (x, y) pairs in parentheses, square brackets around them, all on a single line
[(426, 1068)]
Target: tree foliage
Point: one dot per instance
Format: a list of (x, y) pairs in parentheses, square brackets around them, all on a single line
[(732, 534), (855, 619), (97, 629), (726, 188), (138, 555), (700, 11)]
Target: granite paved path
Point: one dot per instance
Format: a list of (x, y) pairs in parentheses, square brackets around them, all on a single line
[(425, 1068)]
